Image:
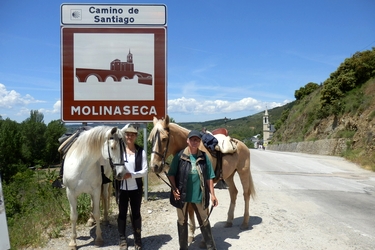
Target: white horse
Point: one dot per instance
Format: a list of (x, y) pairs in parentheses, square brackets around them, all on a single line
[(105, 197), (82, 171)]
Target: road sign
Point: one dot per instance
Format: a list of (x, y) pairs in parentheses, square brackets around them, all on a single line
[(113, 14), (113, 72)]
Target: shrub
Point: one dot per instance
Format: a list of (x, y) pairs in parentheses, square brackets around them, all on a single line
[(35, 210)]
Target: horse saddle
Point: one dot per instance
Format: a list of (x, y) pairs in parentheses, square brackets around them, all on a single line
[(219, 140), (67, 140)]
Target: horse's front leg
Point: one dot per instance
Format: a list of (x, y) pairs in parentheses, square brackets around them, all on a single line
[(191, 224), (96, 213), (73, 219), (233, 197), (91, 221), (105, 202)]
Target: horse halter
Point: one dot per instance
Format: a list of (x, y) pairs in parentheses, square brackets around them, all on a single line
[(164, 154), (122, 150)]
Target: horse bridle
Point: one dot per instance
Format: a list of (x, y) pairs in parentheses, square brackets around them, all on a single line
[(122, 151), (164, 154)]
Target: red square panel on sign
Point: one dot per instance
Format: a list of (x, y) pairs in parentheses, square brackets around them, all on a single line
[(113, 74)]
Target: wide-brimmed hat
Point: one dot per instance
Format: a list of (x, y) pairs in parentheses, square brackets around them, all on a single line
[(131, 129), (194, 133)]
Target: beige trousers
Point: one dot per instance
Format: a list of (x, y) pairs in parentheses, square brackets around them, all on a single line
[(202, 215)]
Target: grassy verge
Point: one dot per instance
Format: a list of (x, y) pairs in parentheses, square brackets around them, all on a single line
[(37, 212)]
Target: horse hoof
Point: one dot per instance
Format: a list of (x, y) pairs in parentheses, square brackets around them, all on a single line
[(202, 245), (99, 243), (228, 224), (72, 246), (190, 239), (105, 223), (90, 223), (244, 227)]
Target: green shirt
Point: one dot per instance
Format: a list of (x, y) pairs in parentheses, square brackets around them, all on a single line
[(193, 190)]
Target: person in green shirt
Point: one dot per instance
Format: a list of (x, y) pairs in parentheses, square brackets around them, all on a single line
[(191, 176)]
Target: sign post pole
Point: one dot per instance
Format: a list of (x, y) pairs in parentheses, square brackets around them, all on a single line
[(4, 235)]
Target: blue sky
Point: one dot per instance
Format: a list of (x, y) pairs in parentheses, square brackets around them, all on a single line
[(224, 59)]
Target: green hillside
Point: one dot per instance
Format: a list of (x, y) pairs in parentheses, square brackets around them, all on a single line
[(241, 128), (342, 107)]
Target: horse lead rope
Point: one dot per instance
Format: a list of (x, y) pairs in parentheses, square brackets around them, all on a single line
[(163, 163), (196, 212)]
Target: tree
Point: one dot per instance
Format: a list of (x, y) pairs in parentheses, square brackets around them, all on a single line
[(55, 129), (33, 141), (10, 144), (353, 72), (306, 90)]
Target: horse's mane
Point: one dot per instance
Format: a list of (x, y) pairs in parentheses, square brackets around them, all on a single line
[(177, 127), (159, 127), (90, 141)]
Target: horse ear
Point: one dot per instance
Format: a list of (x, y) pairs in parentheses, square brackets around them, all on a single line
[(114, 129), (155, 120), (167, 120)]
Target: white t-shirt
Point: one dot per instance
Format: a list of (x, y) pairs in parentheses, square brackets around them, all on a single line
[(131, 184)]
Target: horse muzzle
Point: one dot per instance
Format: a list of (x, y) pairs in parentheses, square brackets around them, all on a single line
[(157, 169), (119, 177)]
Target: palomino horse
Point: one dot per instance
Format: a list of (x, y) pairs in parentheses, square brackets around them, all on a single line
[(82, 171), (169, 138)]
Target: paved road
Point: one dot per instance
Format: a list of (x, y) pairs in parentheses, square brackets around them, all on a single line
[(336, 194)]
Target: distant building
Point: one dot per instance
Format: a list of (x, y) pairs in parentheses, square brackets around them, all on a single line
[(268, 129), (117, 65)]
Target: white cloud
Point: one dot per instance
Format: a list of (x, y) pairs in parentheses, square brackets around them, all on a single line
[(55, 109), (193, 106), (9, 99)]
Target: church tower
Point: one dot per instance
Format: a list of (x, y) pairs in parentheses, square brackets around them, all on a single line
[(129, 66), (266, 128), (130, 57)]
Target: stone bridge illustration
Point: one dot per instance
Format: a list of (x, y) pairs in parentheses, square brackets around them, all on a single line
[(117, 71)]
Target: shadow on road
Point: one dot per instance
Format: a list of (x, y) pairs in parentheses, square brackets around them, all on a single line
[(222, 233)]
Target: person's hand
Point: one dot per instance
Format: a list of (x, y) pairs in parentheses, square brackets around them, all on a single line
[(214, 201), (176, 194), (127, 176)]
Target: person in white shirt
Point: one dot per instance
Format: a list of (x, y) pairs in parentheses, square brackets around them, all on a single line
[(131, 189)]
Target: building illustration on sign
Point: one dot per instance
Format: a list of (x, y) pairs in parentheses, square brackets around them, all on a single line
[(117, 71)]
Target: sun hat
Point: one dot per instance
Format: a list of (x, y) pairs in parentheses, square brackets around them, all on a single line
[(194, 133), (131, 129)]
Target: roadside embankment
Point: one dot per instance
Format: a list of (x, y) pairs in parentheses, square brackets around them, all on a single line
[(320, 147)]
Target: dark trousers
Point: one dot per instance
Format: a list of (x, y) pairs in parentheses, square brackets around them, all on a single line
[(134, 197)]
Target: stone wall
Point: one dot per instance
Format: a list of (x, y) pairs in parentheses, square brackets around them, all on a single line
[(320, 147)]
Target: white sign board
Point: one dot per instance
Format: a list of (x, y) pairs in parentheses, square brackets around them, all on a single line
[(4, 236), (113, 14)]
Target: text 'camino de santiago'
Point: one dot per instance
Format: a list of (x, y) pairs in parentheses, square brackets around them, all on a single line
[(101, 15)]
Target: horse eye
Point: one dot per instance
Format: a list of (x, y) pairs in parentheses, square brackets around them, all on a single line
[(111, 138)]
